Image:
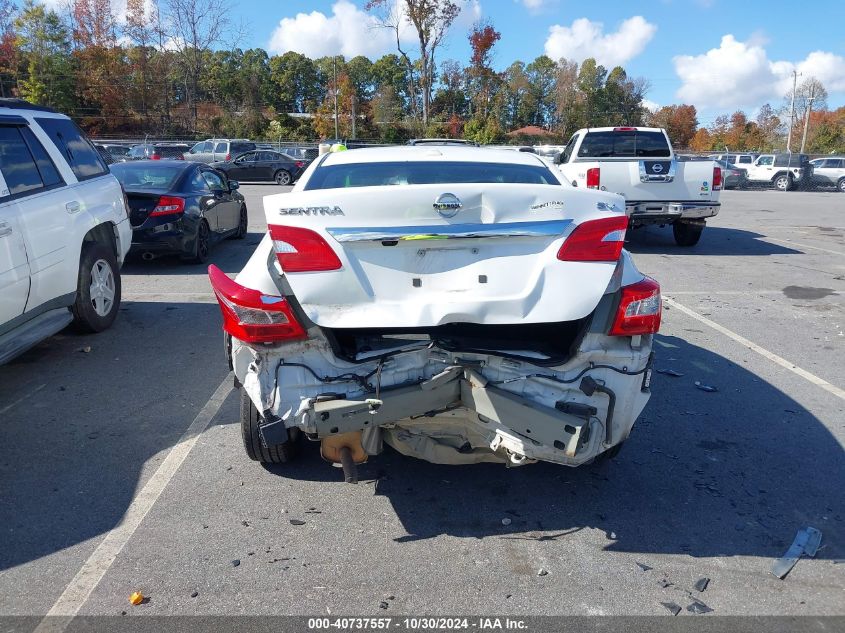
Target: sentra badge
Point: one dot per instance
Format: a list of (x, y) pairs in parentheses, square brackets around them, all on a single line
[(335, 210)]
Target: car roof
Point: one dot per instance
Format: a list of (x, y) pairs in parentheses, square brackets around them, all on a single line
[(634, 128), (159, 164), (20, 104), (400, 153)]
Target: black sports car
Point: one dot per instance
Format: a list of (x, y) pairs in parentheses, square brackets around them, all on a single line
[(180, 207), (263, 164)]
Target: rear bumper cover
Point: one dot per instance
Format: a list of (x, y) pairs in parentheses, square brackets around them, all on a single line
[(660, 212)]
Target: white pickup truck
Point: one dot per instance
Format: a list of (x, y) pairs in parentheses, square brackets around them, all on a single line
[(638, 163)]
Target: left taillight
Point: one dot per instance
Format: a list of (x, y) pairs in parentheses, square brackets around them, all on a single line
[(717, 178), (252, 316), (168, 205), (639, 309), (595, 241), (302, 250)]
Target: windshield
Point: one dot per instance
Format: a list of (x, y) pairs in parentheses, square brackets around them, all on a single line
[(147, 176), (625, 144), (427, 173)]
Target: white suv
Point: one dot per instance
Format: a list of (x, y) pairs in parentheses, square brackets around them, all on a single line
[(64, 229)]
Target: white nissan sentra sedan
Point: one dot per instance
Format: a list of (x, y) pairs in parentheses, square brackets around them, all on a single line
[(460, 304)]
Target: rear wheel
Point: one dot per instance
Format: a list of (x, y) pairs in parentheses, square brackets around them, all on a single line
[(282, 177), (98, 288), (202, 246), (841, 185), (242, 224), (255, 447), (783, 182), (687, 234)]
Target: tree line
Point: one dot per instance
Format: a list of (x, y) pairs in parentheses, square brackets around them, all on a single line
[(172, 68)]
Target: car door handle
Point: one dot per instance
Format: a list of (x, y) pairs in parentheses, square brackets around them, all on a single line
[(72, 207), (5, 229)]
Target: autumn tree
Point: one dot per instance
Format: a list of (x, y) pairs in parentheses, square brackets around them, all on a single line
[(482, 37), (324, 122), (679, 121), (8, 52), (701, 141), (430, 20), (770, 126)]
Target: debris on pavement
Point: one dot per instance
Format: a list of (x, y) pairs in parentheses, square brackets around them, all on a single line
[(236, 562), (506, 521), (136, 598), (670, 372), (643, 566), (542, 572), (699, 607), (383, 605), (673, 608), (807, 542), (85, 350), (665, 583), (194, 594), (701, 584), (705, 387), (297, 522)]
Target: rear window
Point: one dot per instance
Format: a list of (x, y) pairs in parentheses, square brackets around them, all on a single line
[(84, 160), (241, 147), (629, 144), (169, 151), (427, 173), (145, 175)]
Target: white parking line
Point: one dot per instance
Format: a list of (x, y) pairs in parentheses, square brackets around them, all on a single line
[(93, 570), (13, 404), (836, 391), (170, 297), (793, 243)]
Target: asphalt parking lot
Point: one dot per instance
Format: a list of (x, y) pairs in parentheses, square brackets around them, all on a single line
[(122, 468)]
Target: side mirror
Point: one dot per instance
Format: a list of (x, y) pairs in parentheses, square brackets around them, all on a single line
[(558, 158), (234, 184)]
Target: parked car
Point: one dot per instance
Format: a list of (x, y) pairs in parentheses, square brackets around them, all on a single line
[(488, 313), (442, 141), (301, 153), (104, 154), (783, 171), (639, 164), (157, 151), (732, 176), (263, 165), (514, 148), (829, 172), (740, 160), (215, 150), (180, 208), (64, 229), (116, 151)]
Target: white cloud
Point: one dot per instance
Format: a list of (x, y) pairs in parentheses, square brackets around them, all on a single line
[(740, 74), (348, 32), (586, 39), (533, 5), (650, 105)]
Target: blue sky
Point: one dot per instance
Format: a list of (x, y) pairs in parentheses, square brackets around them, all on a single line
[(717, 54)]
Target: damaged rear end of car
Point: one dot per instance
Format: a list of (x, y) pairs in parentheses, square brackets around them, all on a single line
[(455, 304)]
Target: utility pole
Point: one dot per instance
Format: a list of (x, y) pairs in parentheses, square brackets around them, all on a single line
[(334, 64), (795, 75), (354, 99), (807, 119)]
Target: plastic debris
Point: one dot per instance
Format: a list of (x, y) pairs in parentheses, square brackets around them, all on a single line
[(236, 562), (297, 522), (807, 542), (136, 598), (670, 372), (506, 521), (699, 608), (674, 609), (194, 594), (701, 584), (705, 387), (542, 572), (383, 605), (644, 567), (85, 350)]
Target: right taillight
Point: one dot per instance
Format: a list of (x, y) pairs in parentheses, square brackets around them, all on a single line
[(302, 250), (155, 157), (168, 205), (252, 316), (593, 178), (717, 178), (595, 241), (639, 309)]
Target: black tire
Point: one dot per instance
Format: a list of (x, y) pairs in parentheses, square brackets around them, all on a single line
[(255, 448), (243, 223), (87, 317), (687, 234), (282, 177), (202, 245), (783, 182), (841, 185)]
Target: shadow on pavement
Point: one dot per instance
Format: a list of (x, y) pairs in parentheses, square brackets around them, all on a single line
[(732, 473), (73, 451), (229, 255), (715, 240)]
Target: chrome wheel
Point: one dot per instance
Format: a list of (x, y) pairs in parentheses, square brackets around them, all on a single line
[(102, 290), (282, 177)]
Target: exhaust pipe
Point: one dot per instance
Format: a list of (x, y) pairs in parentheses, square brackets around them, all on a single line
[(148, 256)]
